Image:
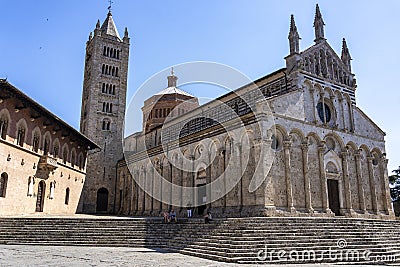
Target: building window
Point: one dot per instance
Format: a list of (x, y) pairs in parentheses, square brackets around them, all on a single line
[(65, 155), (3, 184), (66, 196), (46, 146), (21, 136), (324, 112), (35, 142), (3, 128), (106, 125), (56, 148), (52, 186), (275, 144), (73, 158)]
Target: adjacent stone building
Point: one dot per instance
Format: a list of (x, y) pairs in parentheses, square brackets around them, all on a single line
[(43, 159), (325, 157)]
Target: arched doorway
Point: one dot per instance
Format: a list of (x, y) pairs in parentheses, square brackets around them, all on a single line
[(102, 200), (333, 196), (40, 196)]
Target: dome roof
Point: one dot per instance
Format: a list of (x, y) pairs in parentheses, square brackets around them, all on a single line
[(173, 90)]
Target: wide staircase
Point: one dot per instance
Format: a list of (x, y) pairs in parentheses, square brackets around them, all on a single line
[(240, 240)]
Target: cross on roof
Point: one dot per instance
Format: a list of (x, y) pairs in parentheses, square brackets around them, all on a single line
[(109, 7)]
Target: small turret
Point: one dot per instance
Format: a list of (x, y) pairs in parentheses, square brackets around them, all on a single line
[(294, 38), (318, 26), (346, 58), (126, 36), (97, 30)]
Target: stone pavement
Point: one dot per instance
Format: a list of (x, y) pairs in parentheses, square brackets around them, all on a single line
[(23, 255)]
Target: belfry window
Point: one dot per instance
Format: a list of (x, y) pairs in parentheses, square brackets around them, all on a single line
[(106, 125), (35, 142)]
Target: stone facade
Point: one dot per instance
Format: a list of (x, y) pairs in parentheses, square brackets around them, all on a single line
[(324, 156), (43, 159), (103, 111)]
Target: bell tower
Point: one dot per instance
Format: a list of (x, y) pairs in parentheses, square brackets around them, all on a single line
[(103, 112)]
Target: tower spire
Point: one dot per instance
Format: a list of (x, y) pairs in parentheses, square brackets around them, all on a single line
[(346, 58), (294, 38), (318, 26)]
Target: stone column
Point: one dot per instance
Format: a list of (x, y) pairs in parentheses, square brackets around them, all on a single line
[(323, 106), (315, 115), (307, 186), (372, 185), (347, 186), (359, 182), (322, 174), (238, 153), (289, 189), (133, 188), (342, 112), (387, 203)]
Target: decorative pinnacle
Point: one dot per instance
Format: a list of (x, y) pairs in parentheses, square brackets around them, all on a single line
[(293, 37), (345, 49), (126, 32), (293, 27), (318, 16), (98, 24), (318, 26), (172, 71), (346, 58)]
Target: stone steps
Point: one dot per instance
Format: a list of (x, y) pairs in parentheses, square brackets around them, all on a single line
[(230, 240)]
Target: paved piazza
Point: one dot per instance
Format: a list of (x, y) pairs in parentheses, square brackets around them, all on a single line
[(18, 255)]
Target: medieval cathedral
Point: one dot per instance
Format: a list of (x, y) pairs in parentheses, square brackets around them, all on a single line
[(297, 128)]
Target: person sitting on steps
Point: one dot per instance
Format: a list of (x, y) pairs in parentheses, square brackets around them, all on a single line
[(172, 216), (166, 216), (208, 217)]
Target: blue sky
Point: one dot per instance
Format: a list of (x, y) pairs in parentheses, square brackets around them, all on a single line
[(43, 44)]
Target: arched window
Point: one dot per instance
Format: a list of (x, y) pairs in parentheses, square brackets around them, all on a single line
[(56, 149), (66, 196), (80, 161), (35, 142), (46, 145), (118, 54), (104, 51), (3, 184), (108, 51), (21, 136), (3, 127), (110, 110), (113, 71), (116, 72), (103, 88), (65, 155), (103, 69), (113, 90), (106, 125), (104, 107), (52, 186), (73, 158)]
